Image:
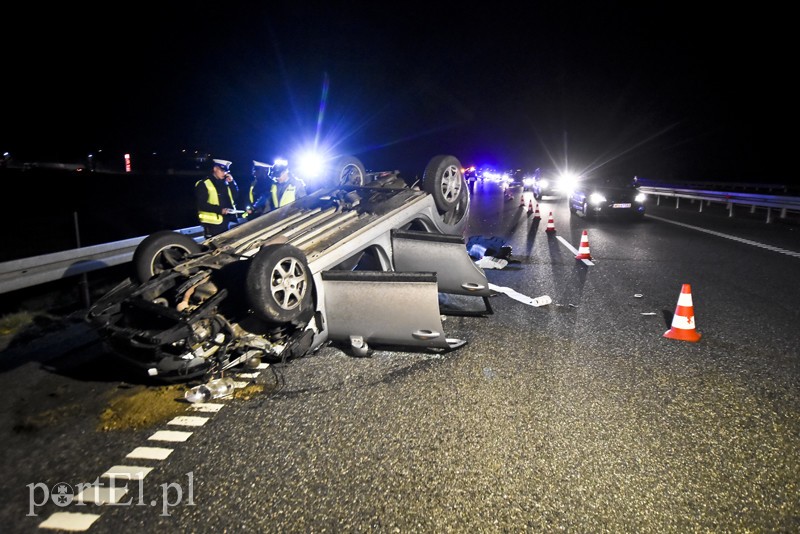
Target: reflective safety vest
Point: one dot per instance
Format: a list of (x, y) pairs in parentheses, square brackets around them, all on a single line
[(287, 197), (209, 217)]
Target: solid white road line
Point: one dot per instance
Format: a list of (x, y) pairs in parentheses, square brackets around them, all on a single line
[(728, 236)]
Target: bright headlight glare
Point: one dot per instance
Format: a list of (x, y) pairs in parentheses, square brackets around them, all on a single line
[(596, 198), (543, 183), (310, 165), (641, 197)]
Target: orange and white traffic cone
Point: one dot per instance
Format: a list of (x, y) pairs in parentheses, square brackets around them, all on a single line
[(530, 206), (522, 200), (536, 214), (551, 227), (683, 321), (583, 250)]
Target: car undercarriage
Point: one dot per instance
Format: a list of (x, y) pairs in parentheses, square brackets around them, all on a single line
[(360, 263)]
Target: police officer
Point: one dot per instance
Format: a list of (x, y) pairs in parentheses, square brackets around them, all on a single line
[(215, 194), (286, 188), (257, 195)]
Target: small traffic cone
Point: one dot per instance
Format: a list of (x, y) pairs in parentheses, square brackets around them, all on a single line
[(536, 214), (530, 206), (583, 250), (522, 200), (683, 320), (551, 227)]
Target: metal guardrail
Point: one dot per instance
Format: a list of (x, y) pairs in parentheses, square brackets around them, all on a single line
[(27, 272), (783, 204)]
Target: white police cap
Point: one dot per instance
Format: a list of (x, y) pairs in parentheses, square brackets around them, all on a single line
[(223, 164)]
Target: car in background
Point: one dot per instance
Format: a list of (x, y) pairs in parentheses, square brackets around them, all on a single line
[(552, 184), (607, 196)]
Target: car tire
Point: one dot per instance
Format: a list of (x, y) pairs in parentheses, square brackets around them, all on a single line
[(279, 283), (350, 171), (444, 180), (160, 252), (537, 196), (457, 216)]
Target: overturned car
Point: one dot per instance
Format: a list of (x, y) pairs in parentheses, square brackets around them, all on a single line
[(360, 263)]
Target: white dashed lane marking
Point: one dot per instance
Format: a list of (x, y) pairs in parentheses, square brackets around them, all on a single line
[(189, 420), (69, 521), (731, 237), (101, 495), (170, 435), (149, 453), (127, 472), (206, 407)]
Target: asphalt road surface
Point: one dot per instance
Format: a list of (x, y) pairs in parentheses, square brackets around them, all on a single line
[(575, 416)]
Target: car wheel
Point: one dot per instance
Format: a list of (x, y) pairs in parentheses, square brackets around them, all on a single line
[(279, 283), (585, 210), (444, 181), (351, 171), (460, 211), (537, 196), (161, 251)]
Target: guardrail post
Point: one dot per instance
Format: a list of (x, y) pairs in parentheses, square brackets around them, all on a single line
[(83, 285)]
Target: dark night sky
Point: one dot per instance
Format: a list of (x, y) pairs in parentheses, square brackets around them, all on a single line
[(662, 91)]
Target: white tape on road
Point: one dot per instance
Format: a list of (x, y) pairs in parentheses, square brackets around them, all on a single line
[(525, 299)]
